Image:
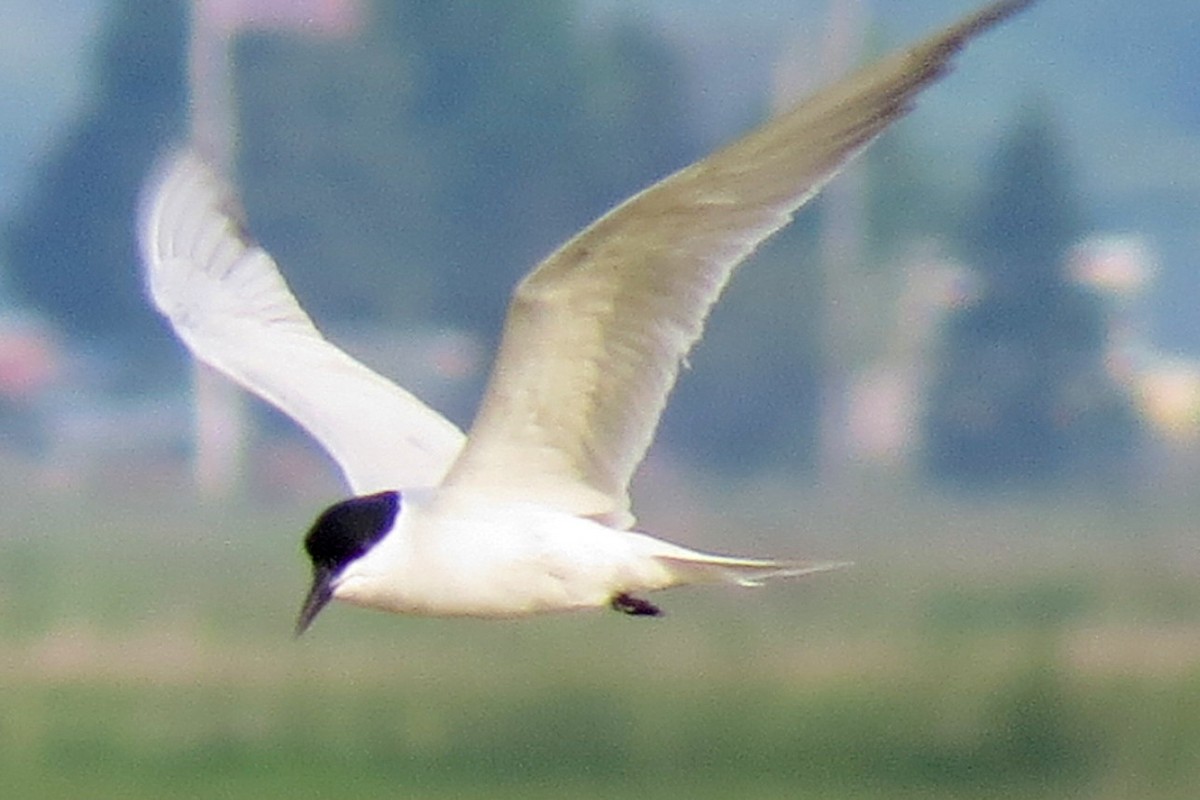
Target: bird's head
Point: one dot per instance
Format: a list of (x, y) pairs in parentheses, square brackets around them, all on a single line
[(341, 535)]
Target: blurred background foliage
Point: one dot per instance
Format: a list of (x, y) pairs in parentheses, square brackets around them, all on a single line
[(1033, 637)]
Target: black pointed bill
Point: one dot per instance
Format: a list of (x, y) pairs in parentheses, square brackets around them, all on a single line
[(318, 597)]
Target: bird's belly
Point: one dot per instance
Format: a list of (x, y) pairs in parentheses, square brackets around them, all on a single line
[(501, 588), (515, 568)]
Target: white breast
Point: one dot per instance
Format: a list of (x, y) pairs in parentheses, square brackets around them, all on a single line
[(457, 557)]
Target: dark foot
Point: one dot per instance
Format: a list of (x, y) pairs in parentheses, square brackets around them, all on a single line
[(635, 606)]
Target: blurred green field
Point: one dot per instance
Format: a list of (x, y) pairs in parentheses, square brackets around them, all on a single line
[(977, 650)]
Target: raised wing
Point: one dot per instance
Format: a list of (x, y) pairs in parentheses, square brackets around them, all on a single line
[(228, 303), (595, 335)]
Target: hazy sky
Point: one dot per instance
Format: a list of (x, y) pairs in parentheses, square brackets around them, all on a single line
[(44, 53)]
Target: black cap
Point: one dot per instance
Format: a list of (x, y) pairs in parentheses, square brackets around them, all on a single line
[(344, 532)]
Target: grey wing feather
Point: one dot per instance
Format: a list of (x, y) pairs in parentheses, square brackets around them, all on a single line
[(596, 334)]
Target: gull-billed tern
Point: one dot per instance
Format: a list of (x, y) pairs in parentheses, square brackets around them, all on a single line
[(528, 513)]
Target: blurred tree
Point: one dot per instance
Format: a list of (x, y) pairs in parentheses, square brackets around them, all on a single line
[(446, 151), (71, 245), (637, 115), (1022, 395), (899, 170), (751, 402), (1029, 213)]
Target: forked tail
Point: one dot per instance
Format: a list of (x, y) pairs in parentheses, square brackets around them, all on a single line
[(704, 568)]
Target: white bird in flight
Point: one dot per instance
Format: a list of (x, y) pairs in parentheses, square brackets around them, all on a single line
[(528, 513)]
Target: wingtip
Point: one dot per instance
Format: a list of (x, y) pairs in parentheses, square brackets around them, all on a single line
[(798, 569), (987, 17), (177, 163), (182, 189)]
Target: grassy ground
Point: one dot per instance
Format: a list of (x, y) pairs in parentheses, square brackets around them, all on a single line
[(998, 650)]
